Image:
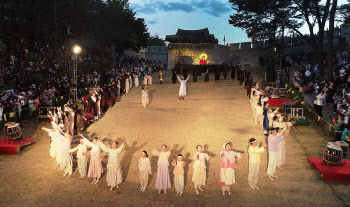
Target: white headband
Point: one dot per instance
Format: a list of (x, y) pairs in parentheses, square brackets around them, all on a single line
[(224, 146)]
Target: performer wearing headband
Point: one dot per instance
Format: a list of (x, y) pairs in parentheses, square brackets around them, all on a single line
[(114, 170), (273, 140), (182, 91), (95, 167), (179, 174), (145, 169), (199, 169), (227, 168), (81, 155), (163, 178), (254, 159)]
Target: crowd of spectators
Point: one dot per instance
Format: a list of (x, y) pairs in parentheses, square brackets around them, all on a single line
[(331, 94), (33, 74)]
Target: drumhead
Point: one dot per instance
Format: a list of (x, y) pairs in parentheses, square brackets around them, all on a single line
[(14, 125), (10, 124), (335, 147), (341, 143)]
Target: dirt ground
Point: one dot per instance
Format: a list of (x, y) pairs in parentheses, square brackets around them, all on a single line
[(213, 113)]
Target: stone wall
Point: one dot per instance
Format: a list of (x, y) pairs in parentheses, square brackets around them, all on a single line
[(190, 53), (159, 53)]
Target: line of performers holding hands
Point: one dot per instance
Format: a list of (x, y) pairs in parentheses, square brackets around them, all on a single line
[(60, 148)]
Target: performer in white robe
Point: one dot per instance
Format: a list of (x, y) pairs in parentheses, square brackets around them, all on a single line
[(182, 91), (145, 78), (136, 80), (118, 89), (67, 160), (71, 122), (149, 77), (145, 98), (114, 170), (144, 169), (199, 169), (254, 160), (53, 143), (163, 177), (81, 155), (130, 82), (95, 167), (127, 87)]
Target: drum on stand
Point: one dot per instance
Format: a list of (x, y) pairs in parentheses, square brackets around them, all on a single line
[(333, 153), (13, 131), (345, 147)]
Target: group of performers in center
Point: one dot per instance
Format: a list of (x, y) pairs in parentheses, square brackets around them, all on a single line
[(62, 134)]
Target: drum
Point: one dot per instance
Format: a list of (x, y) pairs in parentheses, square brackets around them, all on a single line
[(344, 146), (332, 153), (13, 131)]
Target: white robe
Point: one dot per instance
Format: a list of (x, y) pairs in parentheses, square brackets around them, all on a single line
[(182, 91), (145, 80)]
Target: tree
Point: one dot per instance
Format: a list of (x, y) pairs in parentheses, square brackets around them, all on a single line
[(155, 40), (330, 52), (344, 13), (254, 16)]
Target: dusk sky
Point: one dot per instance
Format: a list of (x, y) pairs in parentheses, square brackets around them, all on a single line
[(164, 17)]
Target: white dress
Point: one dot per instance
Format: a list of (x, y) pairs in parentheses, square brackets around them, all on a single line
[(145, 80), (114, 170), (81, 155), (145, 98), (199, 168), (136, 81), (182, 91)]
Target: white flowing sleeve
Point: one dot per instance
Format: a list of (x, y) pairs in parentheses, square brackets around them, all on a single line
[(87, 142), (155, 152), (178, 78), (103, 147), (121, 148), (74, 149)]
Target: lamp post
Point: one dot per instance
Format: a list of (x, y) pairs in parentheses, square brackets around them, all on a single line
[(74, 71)]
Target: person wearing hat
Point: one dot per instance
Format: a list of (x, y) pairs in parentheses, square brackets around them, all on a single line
[(227, 168), (144, 169), (179, 174), (182, 91), (254, 159), (81, 155), (273, 140)]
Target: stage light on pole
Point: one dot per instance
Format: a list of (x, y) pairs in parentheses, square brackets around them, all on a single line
[(76, 49)]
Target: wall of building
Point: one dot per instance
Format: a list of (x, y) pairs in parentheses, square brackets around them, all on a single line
[(159, 53), (190, 53)]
